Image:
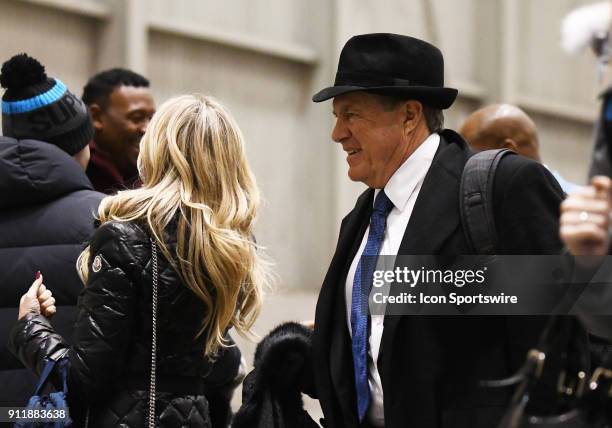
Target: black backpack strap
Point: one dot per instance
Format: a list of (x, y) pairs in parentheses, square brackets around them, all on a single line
[(476, 200)]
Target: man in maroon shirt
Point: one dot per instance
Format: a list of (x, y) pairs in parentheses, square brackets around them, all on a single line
[(121, 105)]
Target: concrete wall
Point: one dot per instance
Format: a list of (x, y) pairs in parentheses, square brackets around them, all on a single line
[(264, 59), (49, 34)]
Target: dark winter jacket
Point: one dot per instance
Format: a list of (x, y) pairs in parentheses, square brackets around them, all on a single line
[(47, 208), (272, 392), (111, 354)]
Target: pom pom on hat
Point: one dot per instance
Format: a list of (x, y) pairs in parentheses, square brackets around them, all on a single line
[(21, 71)]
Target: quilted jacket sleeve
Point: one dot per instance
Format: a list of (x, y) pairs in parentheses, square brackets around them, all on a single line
[(33, 339), (105, 318)]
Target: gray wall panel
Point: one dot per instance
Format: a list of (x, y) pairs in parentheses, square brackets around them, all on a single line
[(275, 19)]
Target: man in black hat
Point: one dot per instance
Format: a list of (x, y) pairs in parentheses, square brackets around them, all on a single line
[(416, 371)]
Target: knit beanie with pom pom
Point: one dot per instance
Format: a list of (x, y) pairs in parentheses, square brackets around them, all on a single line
[(37, 107)]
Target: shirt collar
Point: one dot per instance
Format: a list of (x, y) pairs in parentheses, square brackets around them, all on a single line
[(405, 180)]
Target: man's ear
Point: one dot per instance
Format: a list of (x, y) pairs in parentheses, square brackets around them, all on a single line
[(413, 113), (509, 143), (96, 116)]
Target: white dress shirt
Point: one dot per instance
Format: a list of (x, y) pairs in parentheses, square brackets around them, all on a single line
[(402, 189)]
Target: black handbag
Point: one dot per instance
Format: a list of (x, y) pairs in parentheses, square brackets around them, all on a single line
[(582, 402), (593, 410)]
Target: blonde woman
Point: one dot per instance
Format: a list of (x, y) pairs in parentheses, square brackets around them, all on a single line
[(197, 206)]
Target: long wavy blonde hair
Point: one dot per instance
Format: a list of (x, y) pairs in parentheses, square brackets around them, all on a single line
[(193, 166)]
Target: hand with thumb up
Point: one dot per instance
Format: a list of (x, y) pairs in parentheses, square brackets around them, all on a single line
[(37, 300)]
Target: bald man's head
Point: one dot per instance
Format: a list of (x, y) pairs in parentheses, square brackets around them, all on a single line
[(501, 126)]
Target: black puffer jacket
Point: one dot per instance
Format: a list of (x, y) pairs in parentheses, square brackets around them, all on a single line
[(111, 355), (47, 208)]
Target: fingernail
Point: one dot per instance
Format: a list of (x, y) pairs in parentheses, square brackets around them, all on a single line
[(37, 274)]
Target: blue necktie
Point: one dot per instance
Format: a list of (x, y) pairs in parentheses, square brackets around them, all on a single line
[(362, 284)]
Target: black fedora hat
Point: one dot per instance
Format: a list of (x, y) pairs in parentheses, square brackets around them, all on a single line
[(391, 64)]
